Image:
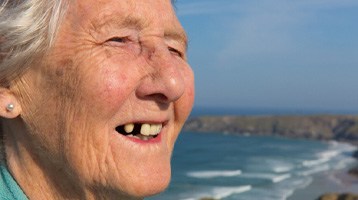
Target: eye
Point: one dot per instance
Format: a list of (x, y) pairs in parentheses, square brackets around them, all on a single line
[(175, 52), (118, 39)]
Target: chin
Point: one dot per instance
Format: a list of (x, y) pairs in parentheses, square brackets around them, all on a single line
[(152, 188), (143, 173), (148, 182)]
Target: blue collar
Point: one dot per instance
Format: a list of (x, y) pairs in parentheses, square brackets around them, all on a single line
[(9, 189)]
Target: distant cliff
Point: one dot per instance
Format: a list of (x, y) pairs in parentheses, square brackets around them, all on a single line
[(321, 127)]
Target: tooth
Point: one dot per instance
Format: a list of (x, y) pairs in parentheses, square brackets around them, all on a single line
[(145, 129), (153, 129), (159, 128), (129, 128)]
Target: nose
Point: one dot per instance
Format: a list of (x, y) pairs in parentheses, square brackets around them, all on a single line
[(164, 81)]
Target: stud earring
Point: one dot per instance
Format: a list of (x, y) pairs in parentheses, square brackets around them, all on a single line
[(10, 107)]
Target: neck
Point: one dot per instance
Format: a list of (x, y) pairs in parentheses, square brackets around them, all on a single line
[(34, 170)]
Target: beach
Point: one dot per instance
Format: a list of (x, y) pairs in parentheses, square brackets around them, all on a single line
[(336, 181)]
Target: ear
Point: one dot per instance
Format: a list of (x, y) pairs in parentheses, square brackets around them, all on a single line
[(9, 105)]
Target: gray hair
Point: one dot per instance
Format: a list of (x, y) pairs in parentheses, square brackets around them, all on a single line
[(27, 29)]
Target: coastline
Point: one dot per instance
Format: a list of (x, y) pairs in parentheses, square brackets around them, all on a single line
[(332, 183), (337, 181), (219, 166), (341, 128), (337, 128)]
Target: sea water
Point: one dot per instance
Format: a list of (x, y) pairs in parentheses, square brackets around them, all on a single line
[(233, 167)]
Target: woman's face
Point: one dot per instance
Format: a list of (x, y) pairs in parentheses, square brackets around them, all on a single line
[(114, 63)]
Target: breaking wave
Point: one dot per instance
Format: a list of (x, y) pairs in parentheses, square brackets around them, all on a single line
[(220, 192), (214, 173), (275, 178)]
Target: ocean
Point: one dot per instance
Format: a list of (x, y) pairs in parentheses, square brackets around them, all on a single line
[(236, 167)]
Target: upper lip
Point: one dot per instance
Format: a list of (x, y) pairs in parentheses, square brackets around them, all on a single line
[(163, 122)]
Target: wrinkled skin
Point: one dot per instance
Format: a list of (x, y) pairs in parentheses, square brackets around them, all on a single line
[(113, 62)]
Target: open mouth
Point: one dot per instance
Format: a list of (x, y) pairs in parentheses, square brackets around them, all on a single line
[(140, 131)]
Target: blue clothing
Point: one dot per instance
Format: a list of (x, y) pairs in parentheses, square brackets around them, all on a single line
[(9, 189)]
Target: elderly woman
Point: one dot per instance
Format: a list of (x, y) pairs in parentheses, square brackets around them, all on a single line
[(93, 95)]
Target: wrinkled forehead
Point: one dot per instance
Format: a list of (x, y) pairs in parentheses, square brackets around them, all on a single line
[(158, 13), (104, 16)]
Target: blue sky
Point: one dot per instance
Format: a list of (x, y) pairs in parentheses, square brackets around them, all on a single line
[(284, 54)]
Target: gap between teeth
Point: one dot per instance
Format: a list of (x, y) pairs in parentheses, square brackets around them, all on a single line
[(146, 129)]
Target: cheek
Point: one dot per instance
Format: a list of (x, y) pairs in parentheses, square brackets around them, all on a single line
[(113, 88), (109, 91)]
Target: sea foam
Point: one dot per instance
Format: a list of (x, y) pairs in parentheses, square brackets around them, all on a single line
[(214, 174), (222, 192), (275, 178), (219, 192), (320, 168)]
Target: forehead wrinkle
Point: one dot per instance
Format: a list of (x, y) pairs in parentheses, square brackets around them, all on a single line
[(131, 21), (119, 22)]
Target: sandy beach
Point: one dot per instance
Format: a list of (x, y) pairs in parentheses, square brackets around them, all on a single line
[(337, 181)]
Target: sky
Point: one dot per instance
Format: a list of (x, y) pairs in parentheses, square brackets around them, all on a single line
[(277, 54)]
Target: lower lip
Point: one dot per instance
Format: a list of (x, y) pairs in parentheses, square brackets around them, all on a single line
[(155, 140)]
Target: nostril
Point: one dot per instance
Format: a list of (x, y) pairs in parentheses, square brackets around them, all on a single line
[(159, 97)]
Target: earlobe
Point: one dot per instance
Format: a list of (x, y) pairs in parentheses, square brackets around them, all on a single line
[(9, 105)]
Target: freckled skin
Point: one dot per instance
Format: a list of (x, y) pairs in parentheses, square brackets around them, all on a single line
[(86, 86)]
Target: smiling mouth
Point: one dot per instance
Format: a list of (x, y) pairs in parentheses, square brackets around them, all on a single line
[(140, 131)]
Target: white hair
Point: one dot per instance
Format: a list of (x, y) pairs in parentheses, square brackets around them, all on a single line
[(27, 29)]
